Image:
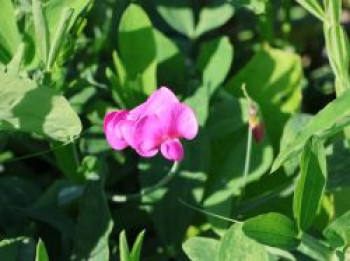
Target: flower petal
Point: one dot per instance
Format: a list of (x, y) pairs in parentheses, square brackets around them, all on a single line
[(160, 100), (172, 150), (113, 135), (126, 128), (147, 136), (182, 122)]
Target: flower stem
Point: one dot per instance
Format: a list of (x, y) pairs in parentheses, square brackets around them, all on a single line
[(130, 197), (247, 159)]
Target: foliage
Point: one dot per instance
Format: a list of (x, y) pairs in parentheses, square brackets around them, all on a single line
[(281, 65)]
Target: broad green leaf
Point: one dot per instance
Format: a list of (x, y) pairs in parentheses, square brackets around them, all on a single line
[(123, 247), (27, 107), (188, 185), (201, 249), (236, 246), (214, 15), (168, 58), (273, 80), (9, 34), (330, 120), (179, 15), (42, 36), (314, 7), (338, 232), (135, 254), (94, 223), (294, 126), (214, 62), (272, 229), (41, 253), (310, 184), (138, 53)]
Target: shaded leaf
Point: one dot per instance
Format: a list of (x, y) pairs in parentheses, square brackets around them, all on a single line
[(272, 229), (310, 184), (338, 232), (330, 120), (138, 54)]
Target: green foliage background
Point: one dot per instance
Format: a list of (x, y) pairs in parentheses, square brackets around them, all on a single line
[(65, 63)]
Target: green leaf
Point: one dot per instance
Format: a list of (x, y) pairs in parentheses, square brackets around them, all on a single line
[(138, 53), (201, 249), (338, 232), (59, 36), (294, 126), (94, 223), (41, 30), (214, 15), (272, 229), (236, 246), (214, 62), (314, 7), (310, 184), (14, 67), (179, 15), (275, 87), (123, 247), (168, 58), (330, 120), (136, 249), (27, 107), (9, 34), (41, 253)]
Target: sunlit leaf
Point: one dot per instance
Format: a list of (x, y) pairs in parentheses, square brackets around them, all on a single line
[(27, 107)]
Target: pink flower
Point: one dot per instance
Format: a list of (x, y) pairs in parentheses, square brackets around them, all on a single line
[(157, 124)]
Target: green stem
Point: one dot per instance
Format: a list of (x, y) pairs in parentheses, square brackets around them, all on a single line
[(130, 197), (247, 159)]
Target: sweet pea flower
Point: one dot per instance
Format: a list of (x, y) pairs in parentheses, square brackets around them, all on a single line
[(157, 124)]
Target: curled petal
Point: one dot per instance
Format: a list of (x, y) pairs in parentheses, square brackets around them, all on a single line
[(182, 122), (111, 128), (147, 135), (172, 150)]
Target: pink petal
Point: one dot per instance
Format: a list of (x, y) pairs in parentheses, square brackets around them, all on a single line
[(113, 135), (126, 128), (147, 136), (160, 100), (172, 150), (181, 122)]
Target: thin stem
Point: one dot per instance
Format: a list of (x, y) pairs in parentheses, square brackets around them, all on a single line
[(130, 197), (247, 158), (209, 213)]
